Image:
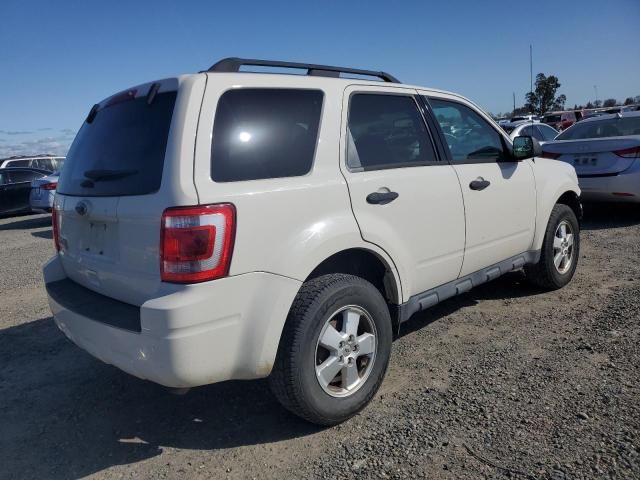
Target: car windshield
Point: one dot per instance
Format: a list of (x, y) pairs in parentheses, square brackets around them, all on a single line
[(552, 118), (603, 128)]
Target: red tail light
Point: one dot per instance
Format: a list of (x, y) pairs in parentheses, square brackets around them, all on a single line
[(551, 155), (55, 227), (632, 152), (196, 243), (49, 186)]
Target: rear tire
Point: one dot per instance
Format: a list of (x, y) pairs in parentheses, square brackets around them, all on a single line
[(560, 251), (334, 349)]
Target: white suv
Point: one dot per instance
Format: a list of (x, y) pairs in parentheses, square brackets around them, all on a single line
[(232, 225)]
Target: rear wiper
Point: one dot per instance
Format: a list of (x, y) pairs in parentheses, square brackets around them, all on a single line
[(100, 175)]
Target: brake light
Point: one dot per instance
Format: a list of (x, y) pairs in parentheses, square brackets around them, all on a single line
[(196, 243), (551, 155), (49, 186), (632, 152), (55, 227)]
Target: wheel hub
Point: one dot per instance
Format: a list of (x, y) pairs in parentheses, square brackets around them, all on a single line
[(345, 351)]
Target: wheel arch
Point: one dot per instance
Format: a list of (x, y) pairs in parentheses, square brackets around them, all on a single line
[(364, 263)]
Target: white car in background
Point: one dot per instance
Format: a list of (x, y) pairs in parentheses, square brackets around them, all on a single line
[(540, 131), (605, 151), (46, 162)]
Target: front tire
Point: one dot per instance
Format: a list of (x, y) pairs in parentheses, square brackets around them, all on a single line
[(560, 251), (334, 349)]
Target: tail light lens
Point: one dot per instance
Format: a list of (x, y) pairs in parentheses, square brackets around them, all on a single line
[(49, 186), (551, 155), (55, 227), (196, 243), (633, 152)]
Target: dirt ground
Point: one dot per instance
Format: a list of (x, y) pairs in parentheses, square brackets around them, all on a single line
[(501, 382)]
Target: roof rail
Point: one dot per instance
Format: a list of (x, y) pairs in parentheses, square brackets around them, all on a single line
[(233, 64)]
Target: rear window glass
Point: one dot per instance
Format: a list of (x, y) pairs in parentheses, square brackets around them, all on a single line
[(121, 152), (264, 133), (608, 127), (552, 118)]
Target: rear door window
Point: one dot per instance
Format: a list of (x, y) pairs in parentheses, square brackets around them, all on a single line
[(387, 131), (263, 133), (547, 133), (120, 152)]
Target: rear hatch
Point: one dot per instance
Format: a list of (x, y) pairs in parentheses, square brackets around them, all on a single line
[(594, 157), (131, 159)]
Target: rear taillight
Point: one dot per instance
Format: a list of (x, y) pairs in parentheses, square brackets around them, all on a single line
[(551, 155), (55, 227), (633, 152), (196, 243), (49, 186)]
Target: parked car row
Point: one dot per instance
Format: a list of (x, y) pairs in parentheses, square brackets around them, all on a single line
[(604, 148), (28, 184), (15, 189)]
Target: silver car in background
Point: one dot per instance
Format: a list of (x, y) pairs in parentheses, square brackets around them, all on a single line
[(43, 190), (605, 151)]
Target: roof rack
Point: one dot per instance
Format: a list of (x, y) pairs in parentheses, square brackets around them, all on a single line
[(233, 64)]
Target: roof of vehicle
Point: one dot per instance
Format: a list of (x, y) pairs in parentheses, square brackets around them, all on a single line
[(611, 115), (31, 157), (330, 73)]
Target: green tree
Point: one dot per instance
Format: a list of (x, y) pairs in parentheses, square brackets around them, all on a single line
[(589, 105), (628, 101), (543, 98), (597, 103), (610, 102)]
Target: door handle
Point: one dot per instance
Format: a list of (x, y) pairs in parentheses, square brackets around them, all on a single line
[(382, 198), (479, 184)]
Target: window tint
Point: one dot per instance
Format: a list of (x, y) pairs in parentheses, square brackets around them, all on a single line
[(608, 127), (387, 131), (547, 133), (25, 176), (4, 178), (264, 133), (126, 142), (468, 135)]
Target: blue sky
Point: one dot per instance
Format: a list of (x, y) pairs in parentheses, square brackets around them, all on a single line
[(58, 58)]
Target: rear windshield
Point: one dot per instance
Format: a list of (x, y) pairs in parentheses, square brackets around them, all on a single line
[(552, 118), (264, 133), (120, 152), (608, 127)]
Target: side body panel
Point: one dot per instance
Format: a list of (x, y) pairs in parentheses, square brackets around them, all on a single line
[(286, 226), (423, 229)]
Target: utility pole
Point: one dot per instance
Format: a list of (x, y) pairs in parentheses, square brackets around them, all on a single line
[(514, 103), (595, 87), (531, 72)]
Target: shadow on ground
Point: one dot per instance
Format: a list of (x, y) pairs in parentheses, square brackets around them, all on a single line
[(604, 215), (25, 222), (67, 415), (46, 234)]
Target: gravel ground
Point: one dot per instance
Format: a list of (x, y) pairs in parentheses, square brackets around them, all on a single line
[(502, 382)]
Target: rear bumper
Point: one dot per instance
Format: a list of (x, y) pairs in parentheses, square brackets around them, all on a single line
[(206, 333), (624, 187), (42, 203)]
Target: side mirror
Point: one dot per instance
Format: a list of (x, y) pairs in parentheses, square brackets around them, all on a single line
[(526, 147)]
